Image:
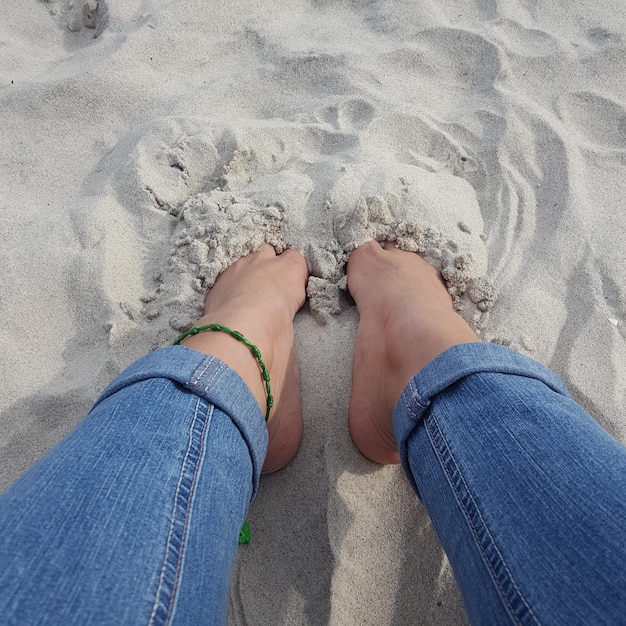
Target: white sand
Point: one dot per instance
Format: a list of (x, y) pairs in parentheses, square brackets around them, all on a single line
[(144, 153)]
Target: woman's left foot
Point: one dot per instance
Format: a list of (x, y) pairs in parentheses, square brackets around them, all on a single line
[(259, 296)]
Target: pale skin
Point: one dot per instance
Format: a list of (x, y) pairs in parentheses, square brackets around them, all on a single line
[(406, 320), (259, 296)]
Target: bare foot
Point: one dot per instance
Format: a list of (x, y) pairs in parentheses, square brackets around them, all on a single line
[(406, 320), (259, 296)]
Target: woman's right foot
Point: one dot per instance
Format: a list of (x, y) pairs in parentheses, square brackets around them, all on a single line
[(406, 319)]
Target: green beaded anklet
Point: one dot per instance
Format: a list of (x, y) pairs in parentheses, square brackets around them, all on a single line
[(255, 351), (244, 533)]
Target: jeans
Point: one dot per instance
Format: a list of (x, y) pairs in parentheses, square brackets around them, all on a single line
[(134, 517)]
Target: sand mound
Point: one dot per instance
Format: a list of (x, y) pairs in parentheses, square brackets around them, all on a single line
[(232, 188)]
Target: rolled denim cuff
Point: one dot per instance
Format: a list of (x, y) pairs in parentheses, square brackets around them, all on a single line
[(449, 367), (210, 379)]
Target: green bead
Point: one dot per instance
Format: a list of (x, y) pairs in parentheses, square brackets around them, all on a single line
[(244, 534), (237, 335)]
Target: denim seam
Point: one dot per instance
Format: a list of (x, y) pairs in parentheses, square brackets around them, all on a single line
[(181, 512), (485, 543), (200, 371), (209, 383), (417, 400)]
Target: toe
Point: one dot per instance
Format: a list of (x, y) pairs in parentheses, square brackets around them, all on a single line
[(293, 260), (266, 251), (292, 256)]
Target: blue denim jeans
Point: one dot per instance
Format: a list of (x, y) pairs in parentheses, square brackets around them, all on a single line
[(526, 491), (134, 517)]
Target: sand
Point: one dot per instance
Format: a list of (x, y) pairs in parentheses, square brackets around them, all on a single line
[(145, 146)]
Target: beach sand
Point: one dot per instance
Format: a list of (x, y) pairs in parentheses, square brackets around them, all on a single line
[(146, 145)]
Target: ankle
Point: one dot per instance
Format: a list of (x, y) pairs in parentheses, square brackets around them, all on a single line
[(416, 342), (236, 355)]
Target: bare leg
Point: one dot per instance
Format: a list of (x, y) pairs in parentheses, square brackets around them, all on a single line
[(406, 320), (259, 296)]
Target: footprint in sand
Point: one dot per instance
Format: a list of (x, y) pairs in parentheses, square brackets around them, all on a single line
[(596, 120), (165, 163), (349, 115)]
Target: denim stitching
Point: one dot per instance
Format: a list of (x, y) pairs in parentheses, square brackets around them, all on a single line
[(209, 383), (183, 542), (174, 548), (466, 501), (415, 399), (200, 372)]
